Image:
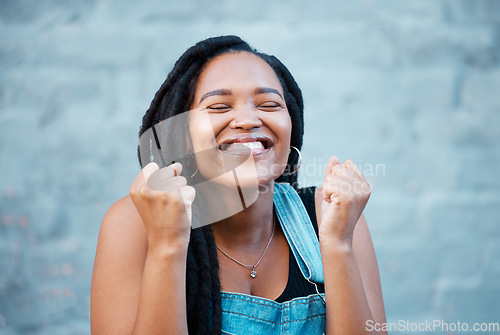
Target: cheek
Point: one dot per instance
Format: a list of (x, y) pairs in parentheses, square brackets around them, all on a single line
[(204, 144), (202, 132), (283, 131), (282, 128), (284, 145)]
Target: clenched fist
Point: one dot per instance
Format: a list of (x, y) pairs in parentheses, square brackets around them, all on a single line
[(345, 194), (163, 200)]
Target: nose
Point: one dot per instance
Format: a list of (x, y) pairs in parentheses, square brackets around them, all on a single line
[(246, 118)]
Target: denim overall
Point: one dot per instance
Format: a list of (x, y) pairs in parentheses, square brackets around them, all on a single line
[(249, 315)]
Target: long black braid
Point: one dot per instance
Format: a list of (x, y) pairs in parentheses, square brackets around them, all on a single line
[(175, 96)]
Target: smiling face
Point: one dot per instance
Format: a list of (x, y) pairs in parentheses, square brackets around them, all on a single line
[(238, 111)]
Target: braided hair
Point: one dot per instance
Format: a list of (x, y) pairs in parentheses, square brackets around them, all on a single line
[(176, 96)]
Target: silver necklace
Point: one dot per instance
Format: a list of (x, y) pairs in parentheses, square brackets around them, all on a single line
[(253, 272)]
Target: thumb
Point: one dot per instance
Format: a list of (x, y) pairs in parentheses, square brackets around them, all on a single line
[(188, 193), (143, 176), (332, 209)]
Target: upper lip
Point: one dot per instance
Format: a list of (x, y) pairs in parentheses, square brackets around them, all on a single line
[(245, 138)]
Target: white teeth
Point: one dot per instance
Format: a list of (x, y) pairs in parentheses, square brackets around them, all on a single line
[(254, 145), (236, 146)]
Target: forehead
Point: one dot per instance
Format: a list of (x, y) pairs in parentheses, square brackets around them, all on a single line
[(237, 71)]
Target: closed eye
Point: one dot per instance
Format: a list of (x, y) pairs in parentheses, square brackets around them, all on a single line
[(218, 108), (270, 106)]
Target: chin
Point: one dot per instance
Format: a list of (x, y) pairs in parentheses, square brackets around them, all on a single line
[(229, 175)]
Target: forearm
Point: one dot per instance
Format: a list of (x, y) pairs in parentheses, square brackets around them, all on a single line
[(347, 308), (162, 302)]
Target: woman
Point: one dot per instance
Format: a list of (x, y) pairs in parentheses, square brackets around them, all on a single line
[(258, 269)]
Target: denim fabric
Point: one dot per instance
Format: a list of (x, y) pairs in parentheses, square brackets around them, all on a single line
[(247, 314)]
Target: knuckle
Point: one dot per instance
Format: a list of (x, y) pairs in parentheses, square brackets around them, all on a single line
[(181, 180), (132, 190), (325, 191), (329, 179), (173, 199), (143, 193), (337, 169), (188, 194), (168, 197), (189, 190), (368, 189)]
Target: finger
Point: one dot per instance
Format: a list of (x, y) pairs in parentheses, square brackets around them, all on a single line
[(333, 187), (149, 170), (349, 164), (173, 170), (334, 160), (144, 175), (342, 171), (188, 193), (341, 185), (164, 174), (158, 183)]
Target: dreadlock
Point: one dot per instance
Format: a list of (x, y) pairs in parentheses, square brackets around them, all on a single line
[(174, 97)]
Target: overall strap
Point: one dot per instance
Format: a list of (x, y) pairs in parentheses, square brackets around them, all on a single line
[(299, 231)]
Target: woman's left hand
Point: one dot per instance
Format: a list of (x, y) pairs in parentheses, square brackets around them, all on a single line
[(345, 192)]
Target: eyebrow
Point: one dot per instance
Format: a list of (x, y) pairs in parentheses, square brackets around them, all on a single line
[(216, 92), (265, 90), (259, 90)]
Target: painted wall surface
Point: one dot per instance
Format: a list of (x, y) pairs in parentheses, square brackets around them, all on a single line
[(410, 90)]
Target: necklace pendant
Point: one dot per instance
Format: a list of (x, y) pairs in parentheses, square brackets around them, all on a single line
[(253, 273)]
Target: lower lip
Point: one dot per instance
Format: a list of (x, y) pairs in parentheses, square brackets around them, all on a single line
[(244, 153)]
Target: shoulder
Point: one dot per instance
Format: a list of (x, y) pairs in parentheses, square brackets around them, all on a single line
[(123, 214), (122, 227), (122, 221), (120, 257), (123, 207), (122, 238)]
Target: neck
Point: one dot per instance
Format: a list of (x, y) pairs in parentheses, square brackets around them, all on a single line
[(249, 229)]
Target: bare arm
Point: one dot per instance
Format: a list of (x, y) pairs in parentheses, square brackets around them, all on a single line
[(352, 282), (368, 270), (138, 283)]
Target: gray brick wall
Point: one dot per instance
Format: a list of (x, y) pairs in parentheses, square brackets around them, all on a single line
[(408, 89)]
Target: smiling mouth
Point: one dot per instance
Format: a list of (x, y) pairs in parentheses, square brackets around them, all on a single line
[(242, 148)]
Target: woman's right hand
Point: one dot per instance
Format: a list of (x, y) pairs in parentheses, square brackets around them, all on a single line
[(164, 201)]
